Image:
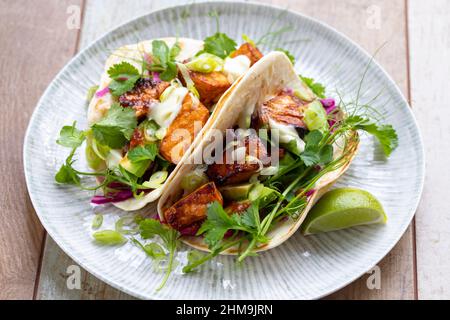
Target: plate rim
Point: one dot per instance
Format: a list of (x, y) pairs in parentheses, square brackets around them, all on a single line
[(112, 283)]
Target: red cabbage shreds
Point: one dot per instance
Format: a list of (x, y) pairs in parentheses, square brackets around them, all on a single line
[(117, 185), (288, 90), (156, 77), (309, 193), (102, 92), (328, 104), (112, 197), (190, 231)]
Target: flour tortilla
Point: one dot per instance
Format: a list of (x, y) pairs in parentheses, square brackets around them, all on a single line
[(134, 54), (273, 73)]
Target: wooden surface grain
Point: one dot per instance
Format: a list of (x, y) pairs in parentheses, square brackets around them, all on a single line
[(429, 27), (35, 43), (370, 23)]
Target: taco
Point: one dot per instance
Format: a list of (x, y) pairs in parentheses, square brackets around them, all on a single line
[(153, 101), (287, 147)]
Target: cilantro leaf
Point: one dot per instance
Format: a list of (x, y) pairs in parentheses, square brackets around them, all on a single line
[(124, 76), (116, 128), (152, 227), (142, 153), (386, 134), (70, 136), (289, 55), (216, 225), (219, 44), (164, 59), (314, 153), (316, 87)]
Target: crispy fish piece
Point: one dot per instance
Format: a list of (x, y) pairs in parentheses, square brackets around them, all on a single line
[(141, 97), (284, 108), (210, 86), (238, 207), (233, 172), (248, 50), (192, 208), (192, 117)]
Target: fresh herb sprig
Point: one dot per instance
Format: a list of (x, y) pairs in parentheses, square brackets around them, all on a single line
[(150, 228)]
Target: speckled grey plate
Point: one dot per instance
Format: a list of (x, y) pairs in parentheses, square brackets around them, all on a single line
[(302, 268)]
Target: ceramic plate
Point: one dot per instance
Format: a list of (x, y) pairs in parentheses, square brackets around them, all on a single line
[(301, 268)]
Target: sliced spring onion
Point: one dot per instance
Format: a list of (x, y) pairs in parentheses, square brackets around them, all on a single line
[(205, 63), (90, 93), (156, 180), (187, 79), (97, 221), (193, 180), (160, 133), (109, 237), (127, 225)]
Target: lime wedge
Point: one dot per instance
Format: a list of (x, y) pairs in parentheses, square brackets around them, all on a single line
[(343, 208)]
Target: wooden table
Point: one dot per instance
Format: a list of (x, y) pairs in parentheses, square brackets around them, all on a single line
[(37, 38)]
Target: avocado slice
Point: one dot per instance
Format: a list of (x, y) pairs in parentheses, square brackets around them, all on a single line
[(137, 168), (236, 193)]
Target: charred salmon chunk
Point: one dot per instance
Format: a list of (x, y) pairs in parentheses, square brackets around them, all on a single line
[(183, 129), (192, 209), (141, 97), (248, 50), (210, 86), (233, 171), (237, 207), (285, 108)]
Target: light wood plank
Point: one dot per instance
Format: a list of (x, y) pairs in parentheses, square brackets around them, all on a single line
[(349, 17), (35, 43), (429, 27)]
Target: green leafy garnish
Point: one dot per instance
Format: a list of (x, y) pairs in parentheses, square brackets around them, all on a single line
[(152, 227), (219, 45), (152, 249), (142, 153), (164, 59), (124, 76), (385, 134), (314, 153), (289, 55), (71, 137), (116, 128), (109, 237), (316, 87)]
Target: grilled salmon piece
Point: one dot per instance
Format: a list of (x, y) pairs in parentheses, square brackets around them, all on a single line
[(192, 117), (238, 207), (210, 86), (284, 108), (233, 172), (248, 50), (141, 97), (192, 209)]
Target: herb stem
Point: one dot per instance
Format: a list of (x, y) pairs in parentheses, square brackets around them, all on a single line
[(169, 269)]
